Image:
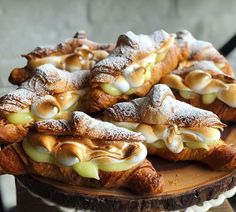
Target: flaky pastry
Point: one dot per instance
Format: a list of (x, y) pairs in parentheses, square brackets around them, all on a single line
[(175, 130), (74, 54), (204, 85), (50, 93), (99, 155), (139, 61)]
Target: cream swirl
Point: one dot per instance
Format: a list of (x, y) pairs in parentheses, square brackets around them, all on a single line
[(202, 82)]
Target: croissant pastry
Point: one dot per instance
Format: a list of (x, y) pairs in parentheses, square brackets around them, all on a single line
[(175, 130), (139, 61), (74, 54), (109, 159), (50, 93), (202, 84)]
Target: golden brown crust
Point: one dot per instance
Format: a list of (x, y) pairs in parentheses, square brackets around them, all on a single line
[(99, 100), (140, 179), (222, 157), (223, 111), (10, 133), (11, 162), (46, 80), (19, 75), (128, 51)]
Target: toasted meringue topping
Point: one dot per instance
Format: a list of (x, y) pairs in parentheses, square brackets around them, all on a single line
[(228, 95), (174, 137), (68, 153), (202, 82), (46, 107), (46, 141), (78, 152), (67, 99), (139, 54), (82, 59)]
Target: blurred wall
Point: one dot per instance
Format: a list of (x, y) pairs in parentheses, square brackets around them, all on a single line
[(25, 24)]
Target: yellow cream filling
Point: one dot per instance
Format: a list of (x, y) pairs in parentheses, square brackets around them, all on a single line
[(20, 117), (202, 145), (46, 108), (202, 83), (88, 168), (37, 155), (110, 89), (140, 78), (175, 139)]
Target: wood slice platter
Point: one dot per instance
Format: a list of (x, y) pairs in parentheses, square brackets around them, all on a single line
[(186, 184)]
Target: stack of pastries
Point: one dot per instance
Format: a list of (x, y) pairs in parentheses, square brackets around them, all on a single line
[(87, 114)]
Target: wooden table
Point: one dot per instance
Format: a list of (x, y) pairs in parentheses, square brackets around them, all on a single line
[(27, 203)]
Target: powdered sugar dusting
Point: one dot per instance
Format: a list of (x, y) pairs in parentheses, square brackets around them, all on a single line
[(47, 80), (53, 127), (92, 128), (146, 42), (164, 109), (196, 47), (128, 46), (16, 101)]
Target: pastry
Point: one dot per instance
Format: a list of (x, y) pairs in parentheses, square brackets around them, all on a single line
[(133, 67), (50, 93), (139, 61), (74, 54), (89, 153), (204, 85), (175, 130), (197, 50)]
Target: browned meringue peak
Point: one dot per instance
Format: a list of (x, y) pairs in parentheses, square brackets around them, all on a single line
[(88, 127), (203, 78), (160, 107), (209, 67), (88, 150), (48, 80), (46, 141), (130, 48), (70, 55)]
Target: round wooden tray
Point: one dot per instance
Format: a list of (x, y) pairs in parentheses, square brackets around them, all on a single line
[(186, 184)]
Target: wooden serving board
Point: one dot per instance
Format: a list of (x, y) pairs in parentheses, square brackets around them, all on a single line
[(186, 184)]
